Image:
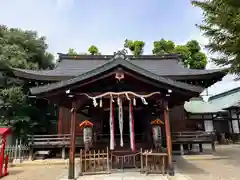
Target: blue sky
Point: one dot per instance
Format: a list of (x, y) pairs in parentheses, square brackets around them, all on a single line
[(107, 23)]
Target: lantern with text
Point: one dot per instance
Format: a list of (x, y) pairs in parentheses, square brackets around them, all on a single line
[(156, 132), (87, 133)]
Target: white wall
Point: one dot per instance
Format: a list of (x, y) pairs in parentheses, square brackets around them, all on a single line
[(208, 126), (235, 123)]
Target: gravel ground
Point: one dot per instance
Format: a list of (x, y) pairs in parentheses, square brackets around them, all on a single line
[(44, 172)]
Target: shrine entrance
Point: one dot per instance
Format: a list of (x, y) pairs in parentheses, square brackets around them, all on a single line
[(120, 83), (141, 131)]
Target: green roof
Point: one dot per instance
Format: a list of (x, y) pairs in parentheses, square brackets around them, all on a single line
[(226, 99), (199, 106)]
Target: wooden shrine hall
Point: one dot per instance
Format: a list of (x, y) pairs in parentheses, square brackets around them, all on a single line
[(133, 103)]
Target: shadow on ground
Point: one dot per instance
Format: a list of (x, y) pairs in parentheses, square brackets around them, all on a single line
[(222, 164), (185, 167)]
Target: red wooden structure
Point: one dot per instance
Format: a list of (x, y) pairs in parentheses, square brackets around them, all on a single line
[(89, 85), (4, 132)]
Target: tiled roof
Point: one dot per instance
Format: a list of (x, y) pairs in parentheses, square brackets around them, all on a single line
[(226, 99), (69, 67), (127, 64), (199, 106)]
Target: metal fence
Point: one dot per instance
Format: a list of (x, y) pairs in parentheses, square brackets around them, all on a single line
[(18, 151)]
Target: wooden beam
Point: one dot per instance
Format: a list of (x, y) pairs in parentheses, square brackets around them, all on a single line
[(168, 135), (60, 120), (62, 90), (71, 167)]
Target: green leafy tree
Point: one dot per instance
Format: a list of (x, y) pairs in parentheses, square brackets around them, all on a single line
[(184, 52), (136, 47), (221, 24), (193, 46), (192, 56), (72, 52), (14, 111), (19, 49), (93, 50), (163, 47), (23, 49)]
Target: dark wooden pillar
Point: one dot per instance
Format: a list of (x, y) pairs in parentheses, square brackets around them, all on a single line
[(71, 168), (60, 120), (168, 138), (231, 124)]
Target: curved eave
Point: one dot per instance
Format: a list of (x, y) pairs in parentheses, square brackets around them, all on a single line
[(38, 75), (206, 112), (110, 65), (208, 74), (50, 75)]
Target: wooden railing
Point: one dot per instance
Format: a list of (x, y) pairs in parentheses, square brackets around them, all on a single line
[(50, 141), (104, 162), (153, 162), (53, 140), (94, 162), (193, 137)]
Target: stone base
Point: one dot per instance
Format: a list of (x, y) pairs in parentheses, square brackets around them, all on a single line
[(17, 161)]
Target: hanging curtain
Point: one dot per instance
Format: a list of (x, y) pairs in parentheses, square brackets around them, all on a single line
[(131, 126), (120, 119), (111, 122)]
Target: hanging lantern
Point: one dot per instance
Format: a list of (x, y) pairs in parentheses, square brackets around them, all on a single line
[(157, 122), (156, 132), (87, 133)]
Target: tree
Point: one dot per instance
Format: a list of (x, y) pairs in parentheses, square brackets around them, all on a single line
[(19, 49), (192, 56), (93, 50), (221, 24), (163, 47), (193, 46), (72, 52), (23, 49), (13, 111), (136, 47), (184, 52)]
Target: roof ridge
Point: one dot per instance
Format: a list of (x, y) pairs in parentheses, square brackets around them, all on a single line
[(225, 93), (107, 57)]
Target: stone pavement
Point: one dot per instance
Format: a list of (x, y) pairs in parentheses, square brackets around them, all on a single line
[(224, 164), (132, 176), (124, 176)]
